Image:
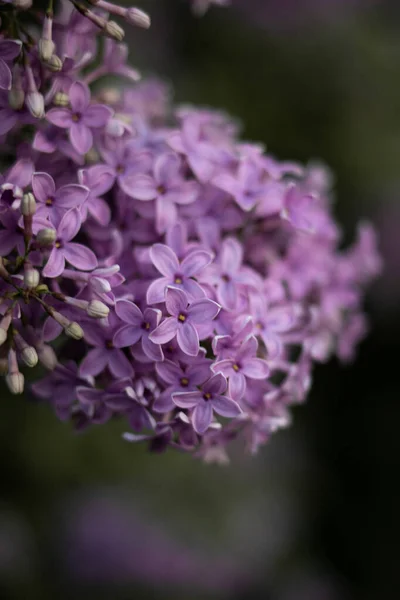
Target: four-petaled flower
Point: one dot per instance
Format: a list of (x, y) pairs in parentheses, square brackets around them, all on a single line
[(184, 320), (139, 327), (166, 186), (54, 203), (175, 273), (206, 400), (179, 379), (80, 118), (244, 364), (63, 250)]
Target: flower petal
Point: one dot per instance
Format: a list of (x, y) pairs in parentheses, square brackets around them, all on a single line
[(231, 256), (176, 301), (129, 312), (119, 365), (55, 264), (80, 257), (237, 386), (255, 368), (152, 350), (60, 117), (94, 362), (80, 137), (156, 291), (195, 262), (165, 331), (97, 115), (71, 195), (202, 311), (202, 417), (79, 96), (141, 187), (5, 76), (166, 167), (169, 372), (216, 385), (69, 225), (225, 407), (165, 260), (127, 336), (187, 399), (43, 186), (188, 339)]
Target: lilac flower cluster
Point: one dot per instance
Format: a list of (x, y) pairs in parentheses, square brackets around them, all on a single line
[(198, 277)]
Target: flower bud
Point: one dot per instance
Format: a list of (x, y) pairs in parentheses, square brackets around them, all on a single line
[(54, 63), (29, 356), (15, 383), (4, 326), (137, 17), (46, 49), (97, 309), (3, 366), (74, 331), (3, 336), (31, 278), (47, 357), (46, 236), (16, 98), (28, 205), (61, 99), (35, 104), (114, 31)]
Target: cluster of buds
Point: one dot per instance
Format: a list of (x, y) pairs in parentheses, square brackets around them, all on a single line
[(190, 279)]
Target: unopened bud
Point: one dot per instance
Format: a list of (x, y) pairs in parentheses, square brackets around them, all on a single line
[(31, 278), (97, 309), (74, 331), (3, 336), (3, 366), (114, 31), (137, 17), (61, 99), (54, 63), (4, 326), (115, 128), (28, 205), (47, 357), (110, 96), (46, 49), (46, 236), (29, 356), (16, 98), (35, 104), (15, 383)]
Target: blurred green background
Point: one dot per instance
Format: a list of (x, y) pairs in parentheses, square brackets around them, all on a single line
[(315, 515)]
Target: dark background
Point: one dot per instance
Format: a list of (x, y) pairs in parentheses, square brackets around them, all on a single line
[(315, 515)]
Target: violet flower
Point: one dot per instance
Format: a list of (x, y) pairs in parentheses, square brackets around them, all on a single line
[(243, 365), (80, 118), (104, 354), (184, 320), (99, 179), (175, 273), (179, 379), (206, 400), (167, 187), (54, 203), (64, 250), (139, 327)]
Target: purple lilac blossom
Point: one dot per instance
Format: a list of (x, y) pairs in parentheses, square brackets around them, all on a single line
[(185, 265)]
